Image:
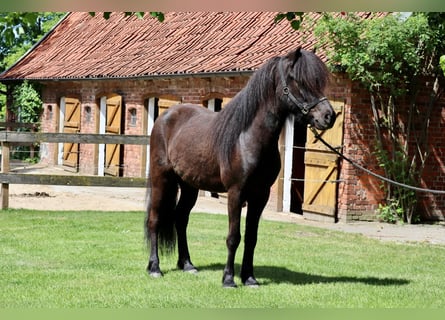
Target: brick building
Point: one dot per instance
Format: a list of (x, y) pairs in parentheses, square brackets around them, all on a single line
[(115, 76)]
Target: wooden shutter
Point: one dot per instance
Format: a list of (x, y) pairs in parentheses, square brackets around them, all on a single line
[(71, 124), (164, 104), (321, 169), (113, 126)]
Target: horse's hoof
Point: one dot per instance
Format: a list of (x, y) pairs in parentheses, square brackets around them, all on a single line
[(155, 274), (191, 270), (229, 283), (251, 283), (188, 267)]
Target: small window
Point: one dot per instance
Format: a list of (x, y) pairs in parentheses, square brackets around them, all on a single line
[(218, 105), (87, 113), (133, 117), (49, 110), (214, 104)]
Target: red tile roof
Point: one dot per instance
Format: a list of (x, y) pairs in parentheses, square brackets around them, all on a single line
[(85, 47)]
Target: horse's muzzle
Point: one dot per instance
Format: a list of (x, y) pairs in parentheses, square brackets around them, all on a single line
[(323, 120)]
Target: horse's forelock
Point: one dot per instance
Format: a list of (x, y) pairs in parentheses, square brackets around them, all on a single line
[(311, 73)]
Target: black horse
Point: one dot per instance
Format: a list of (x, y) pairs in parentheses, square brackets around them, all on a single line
[(233, 151)]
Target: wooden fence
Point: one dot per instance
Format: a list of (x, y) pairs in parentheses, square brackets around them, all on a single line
[(10, 138)]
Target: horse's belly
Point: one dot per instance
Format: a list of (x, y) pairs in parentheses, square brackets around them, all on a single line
[(200, 177), (189, 153), (197, 167)]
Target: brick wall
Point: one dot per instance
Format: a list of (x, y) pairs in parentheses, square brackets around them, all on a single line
[(358, 194), (134, 94), (432, 206)]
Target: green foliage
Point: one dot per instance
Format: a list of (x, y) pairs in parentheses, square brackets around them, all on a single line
[(18, 25), (27, 103), (380, 52), (158, 15), (391, 212), (295, 18), (20, 30), (27, 108), (388, 55), (401, 202), (442, 63)]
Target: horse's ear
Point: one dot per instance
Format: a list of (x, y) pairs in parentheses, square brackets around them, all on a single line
[(294, 55)]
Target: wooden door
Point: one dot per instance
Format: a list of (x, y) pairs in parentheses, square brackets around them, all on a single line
[(71, 124), (113, 126), (164, 103), (321, 169)]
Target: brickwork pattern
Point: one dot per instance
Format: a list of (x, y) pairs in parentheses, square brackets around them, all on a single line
[(358, 193), (134, 94)]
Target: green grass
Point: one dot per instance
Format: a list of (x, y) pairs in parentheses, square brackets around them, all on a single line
[(98, 259)]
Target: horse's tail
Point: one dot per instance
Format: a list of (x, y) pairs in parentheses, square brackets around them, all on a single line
[(165, 221), (147, 213)]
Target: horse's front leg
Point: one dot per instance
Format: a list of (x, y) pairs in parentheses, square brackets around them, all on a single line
[(233, 237), (255, 207), (185, 205)]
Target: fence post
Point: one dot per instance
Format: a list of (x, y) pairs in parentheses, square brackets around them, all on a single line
[(5, 169)]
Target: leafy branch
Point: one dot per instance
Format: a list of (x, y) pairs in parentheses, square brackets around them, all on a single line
[(158, 15), (389, 56)]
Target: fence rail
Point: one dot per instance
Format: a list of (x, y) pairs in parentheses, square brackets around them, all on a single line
[(17, 125), (31, 137), (7, 138), (72, 180)]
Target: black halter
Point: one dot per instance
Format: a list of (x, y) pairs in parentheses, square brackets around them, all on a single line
[(305, 107)]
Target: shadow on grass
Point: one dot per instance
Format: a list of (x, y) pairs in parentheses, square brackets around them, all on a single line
[(277, 275)]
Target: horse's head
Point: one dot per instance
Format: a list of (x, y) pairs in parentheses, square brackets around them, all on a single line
[(303, 78)]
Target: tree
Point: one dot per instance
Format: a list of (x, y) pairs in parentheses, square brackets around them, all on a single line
[(295, 18), (19, 31), (389, 55)]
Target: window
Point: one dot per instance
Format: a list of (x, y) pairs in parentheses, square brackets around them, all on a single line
[(133, 117)]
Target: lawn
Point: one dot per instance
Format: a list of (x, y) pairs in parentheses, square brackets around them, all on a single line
[(98, 259)]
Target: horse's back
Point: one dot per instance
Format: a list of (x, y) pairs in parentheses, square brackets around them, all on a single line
[(183, 112)]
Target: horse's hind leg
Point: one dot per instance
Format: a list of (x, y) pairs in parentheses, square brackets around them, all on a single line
[(186, 202), (160, 218)]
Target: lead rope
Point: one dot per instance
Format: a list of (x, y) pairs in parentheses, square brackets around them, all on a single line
[(341, 155)]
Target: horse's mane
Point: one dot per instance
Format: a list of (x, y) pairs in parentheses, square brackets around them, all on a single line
[(239, 113), (309, 72)]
